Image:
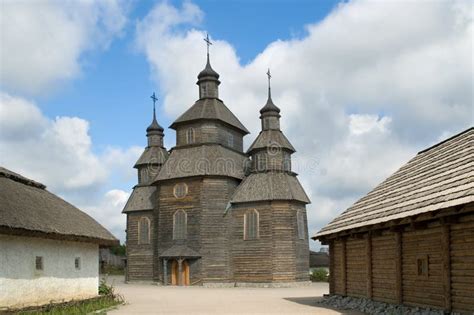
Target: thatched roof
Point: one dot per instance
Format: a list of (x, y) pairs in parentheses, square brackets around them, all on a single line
[(274, 139), (27, 208), (140, 199), (318, 259), (206, 159), (210, 109), (152, 155), (268, 186), (180, 251), (437, 178)]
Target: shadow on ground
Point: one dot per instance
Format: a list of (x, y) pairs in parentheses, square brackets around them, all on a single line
[(313, 301)]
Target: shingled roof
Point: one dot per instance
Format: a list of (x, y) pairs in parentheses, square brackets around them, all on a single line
[(210, 108), (152, 155), (140, 199), (439, 177), (269, 186), (271, 139), (205, 159), (27, 208)]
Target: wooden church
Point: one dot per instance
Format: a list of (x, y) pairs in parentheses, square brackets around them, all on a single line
[(208, 213)]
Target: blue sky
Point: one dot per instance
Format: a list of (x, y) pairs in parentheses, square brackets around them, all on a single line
[(363, 86)]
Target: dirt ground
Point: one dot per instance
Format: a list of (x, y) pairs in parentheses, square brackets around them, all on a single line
[(152, 299)]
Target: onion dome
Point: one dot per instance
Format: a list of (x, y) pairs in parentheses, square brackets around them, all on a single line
[(208, 71)]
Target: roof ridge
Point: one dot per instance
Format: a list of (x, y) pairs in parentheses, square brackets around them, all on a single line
[(20, 179), (446, 140)]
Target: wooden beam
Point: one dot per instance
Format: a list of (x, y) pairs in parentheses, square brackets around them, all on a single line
[(344, 268), (398, 267), (369, 265), (446, 253), (332, 281)]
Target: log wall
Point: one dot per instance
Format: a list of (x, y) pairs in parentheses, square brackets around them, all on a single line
[(139, 256), (384, 268), (462, 265), (356, 267), (339, 268)]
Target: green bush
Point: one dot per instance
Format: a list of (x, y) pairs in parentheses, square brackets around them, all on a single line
[(319, 275), (105, 289)]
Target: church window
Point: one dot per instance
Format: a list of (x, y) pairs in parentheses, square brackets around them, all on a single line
[(251, 225), (180, 190), (39, 263), (144, 230), (180, 219), (230, 140), (261, 162), (300, 223), (190, 136), (77, 263)]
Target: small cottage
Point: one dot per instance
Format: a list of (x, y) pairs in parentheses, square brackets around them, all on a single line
[(49, 249), (411, 240)]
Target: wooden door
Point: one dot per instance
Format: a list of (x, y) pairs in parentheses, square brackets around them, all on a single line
[(174, 273), (185, 273)]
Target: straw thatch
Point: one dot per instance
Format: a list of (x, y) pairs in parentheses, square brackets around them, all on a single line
[(439, 177), (27, 208)]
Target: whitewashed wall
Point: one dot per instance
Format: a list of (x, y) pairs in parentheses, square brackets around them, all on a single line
[(22, 285)]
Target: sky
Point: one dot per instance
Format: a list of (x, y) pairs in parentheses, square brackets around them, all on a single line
[(362, 87)]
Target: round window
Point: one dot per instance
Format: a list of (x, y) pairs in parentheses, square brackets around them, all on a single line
[(180, 190)]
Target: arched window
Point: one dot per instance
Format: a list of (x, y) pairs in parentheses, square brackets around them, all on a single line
[(300, 223), (251, 225), (144, 231), (180, 219), (190, 136)]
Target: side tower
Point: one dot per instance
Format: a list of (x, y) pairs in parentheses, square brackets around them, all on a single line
[(141, 221), (269, 224), (195, 186)]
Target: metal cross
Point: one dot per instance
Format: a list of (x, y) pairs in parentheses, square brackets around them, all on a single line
[(154, 98), (208, 42), (269, 77)]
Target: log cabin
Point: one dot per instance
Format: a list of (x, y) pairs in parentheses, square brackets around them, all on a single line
[(410, 240)]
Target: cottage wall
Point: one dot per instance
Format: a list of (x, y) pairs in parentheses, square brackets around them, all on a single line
[(139, 256), (384, 267), (22, 285)]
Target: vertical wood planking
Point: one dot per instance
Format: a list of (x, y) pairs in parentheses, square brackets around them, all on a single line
[(446, 253), (344, 268), (331, 268), (398, 267), (369, 265)]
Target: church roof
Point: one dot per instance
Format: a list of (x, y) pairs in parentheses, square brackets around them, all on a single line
[(269, 186), (205, 159), (180, 251), (438, 177), (210, 108), (271, 138), (152, 155), (140, 199), (27, 208), (208, 71), (154, 126), (269, 106)]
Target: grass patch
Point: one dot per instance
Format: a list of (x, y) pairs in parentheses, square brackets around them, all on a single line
[(319, 275), (106, 299)]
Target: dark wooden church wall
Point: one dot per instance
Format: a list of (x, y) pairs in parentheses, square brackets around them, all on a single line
[(139, 256), (252, 259), (214, 232), (301, 246), (462, 264)]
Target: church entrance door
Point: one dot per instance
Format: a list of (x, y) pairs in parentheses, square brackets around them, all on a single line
[(175, 272)]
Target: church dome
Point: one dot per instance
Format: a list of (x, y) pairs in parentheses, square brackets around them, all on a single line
[(269, 106), (154, 126), (208, 71)]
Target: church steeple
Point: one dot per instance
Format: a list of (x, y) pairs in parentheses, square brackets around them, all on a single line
[(208, 79), (270, 113), (154, 132)]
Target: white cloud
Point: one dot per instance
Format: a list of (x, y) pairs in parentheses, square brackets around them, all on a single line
[(58, 153), (364, 90), (43, 41)]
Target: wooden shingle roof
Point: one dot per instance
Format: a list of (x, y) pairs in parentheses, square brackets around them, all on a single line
[(141, 199), (27, 208), (203, 160), (269, 186), (273, 139), (152, 155), (213, 109), (439, 177)]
